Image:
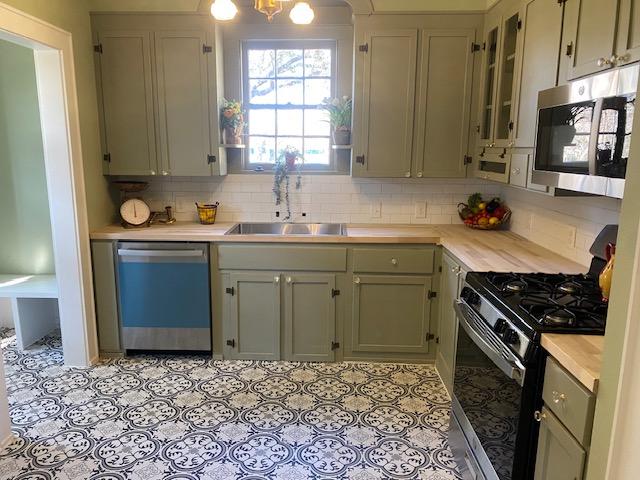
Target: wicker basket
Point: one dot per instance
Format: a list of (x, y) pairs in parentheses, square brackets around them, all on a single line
[(503, 221), (207, 213)]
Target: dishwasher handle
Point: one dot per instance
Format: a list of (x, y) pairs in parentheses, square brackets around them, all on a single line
[(125, 252)]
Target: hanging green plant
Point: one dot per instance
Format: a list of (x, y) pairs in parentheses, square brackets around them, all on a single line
[(288, 161)]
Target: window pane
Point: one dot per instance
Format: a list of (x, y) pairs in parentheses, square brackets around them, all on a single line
[(316, 90), (289, 92), (261, 63), (262, 122), (262, 92), (284, 142), (290, 122), (262, 149), (289, 63), (317, 63), (316, 122), (316, 150)]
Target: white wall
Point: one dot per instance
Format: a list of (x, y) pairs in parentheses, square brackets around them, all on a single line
[(324, 198), (567, 225)]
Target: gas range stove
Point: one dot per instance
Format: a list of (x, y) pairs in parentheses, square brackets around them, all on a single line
[(520, 307)]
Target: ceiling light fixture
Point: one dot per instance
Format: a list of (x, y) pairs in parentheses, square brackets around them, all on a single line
[(223, 10), (302, 13)]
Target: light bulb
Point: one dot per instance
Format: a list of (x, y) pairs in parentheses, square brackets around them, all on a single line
[(223, 9), (301, 13)]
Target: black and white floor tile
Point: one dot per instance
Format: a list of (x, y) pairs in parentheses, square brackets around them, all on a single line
[(188, 418)]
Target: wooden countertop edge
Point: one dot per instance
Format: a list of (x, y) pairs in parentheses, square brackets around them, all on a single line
[(580, 355)]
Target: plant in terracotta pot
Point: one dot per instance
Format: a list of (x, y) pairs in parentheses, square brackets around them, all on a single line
[(232, 121), (339, 111), (290, 160)]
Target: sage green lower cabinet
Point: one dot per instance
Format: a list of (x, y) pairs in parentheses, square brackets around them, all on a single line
[(452, 273), (391, 314), (106, 297), (309, 317), (253, 310), (560, 456)]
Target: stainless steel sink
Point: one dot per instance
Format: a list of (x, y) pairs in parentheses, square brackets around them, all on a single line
[(288, 229)]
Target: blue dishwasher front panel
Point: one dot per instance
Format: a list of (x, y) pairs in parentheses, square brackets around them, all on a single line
[(164, 296)]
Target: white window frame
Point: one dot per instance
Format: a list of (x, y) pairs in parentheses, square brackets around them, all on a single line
[(294, 45)]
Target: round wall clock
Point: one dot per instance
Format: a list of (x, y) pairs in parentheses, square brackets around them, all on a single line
[(135, 212)]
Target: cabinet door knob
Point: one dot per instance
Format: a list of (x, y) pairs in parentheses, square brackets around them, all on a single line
[(289, 280), (558, 397), (407, 174), (419, 174), (276, 279), (602, 62), (356, 280), (165, 173), (539, 416), (152, 172), (394, 261)]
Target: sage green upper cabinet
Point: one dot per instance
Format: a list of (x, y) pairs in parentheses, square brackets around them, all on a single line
[(560, 456), (391, 314), (541, 34), (384, 148), (491, 54), (253, 316), (159, 81), (185, 99), (125, 79), (590, 36), (452, 273), (444, 103), (628, 44), (309, 317)]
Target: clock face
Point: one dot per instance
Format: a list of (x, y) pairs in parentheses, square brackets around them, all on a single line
[(135, 212)]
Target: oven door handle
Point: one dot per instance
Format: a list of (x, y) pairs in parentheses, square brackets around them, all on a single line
[(509, 367)]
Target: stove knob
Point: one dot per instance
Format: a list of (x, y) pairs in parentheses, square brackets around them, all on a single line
[(500, 326), (511, 337)]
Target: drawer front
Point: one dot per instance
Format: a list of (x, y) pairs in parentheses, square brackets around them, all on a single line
[(393, 260), (282, 258), (569, 401)]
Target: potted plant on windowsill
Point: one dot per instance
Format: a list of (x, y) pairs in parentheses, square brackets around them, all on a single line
[(231, 122), (339, 111), (288, 161)]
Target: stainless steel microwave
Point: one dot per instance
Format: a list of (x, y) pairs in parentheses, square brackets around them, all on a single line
[(584, 133)]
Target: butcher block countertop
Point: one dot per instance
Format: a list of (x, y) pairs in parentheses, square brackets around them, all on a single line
[(478, 249), (580, 355)]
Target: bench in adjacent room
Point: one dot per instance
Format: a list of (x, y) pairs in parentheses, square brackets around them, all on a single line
[(34, 305)]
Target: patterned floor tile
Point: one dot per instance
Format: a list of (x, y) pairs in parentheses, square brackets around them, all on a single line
[(191, 418)]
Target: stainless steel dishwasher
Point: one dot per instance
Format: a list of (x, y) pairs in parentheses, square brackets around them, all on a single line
[(164, 295)]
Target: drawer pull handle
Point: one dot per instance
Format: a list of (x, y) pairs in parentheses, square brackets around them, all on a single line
[(276, 279), (394, 261), (558, 397), (289, 280), (539, 416), (356, 280)]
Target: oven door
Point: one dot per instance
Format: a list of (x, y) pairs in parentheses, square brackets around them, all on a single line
[(488, 391)]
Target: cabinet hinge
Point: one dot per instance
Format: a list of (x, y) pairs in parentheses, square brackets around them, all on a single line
[(231, 291), (97, 48), (562, 2), (478, 128), (431, 294), (429, 337), (569, 50), (440, 269), (519, 24), (475, 47), (107, 157), (468, 160), (211, 159), (438, 340), (335, 345), (207, 49), (484, 45), (364, 48), (334, 293), (511, 125), (231, 343), (360, 159)]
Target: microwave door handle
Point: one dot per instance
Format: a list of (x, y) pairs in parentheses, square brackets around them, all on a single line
[(510, 368), (593, 138)]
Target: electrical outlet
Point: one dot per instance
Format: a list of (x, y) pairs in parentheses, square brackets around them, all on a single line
[(376, 210), (420, 210)]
